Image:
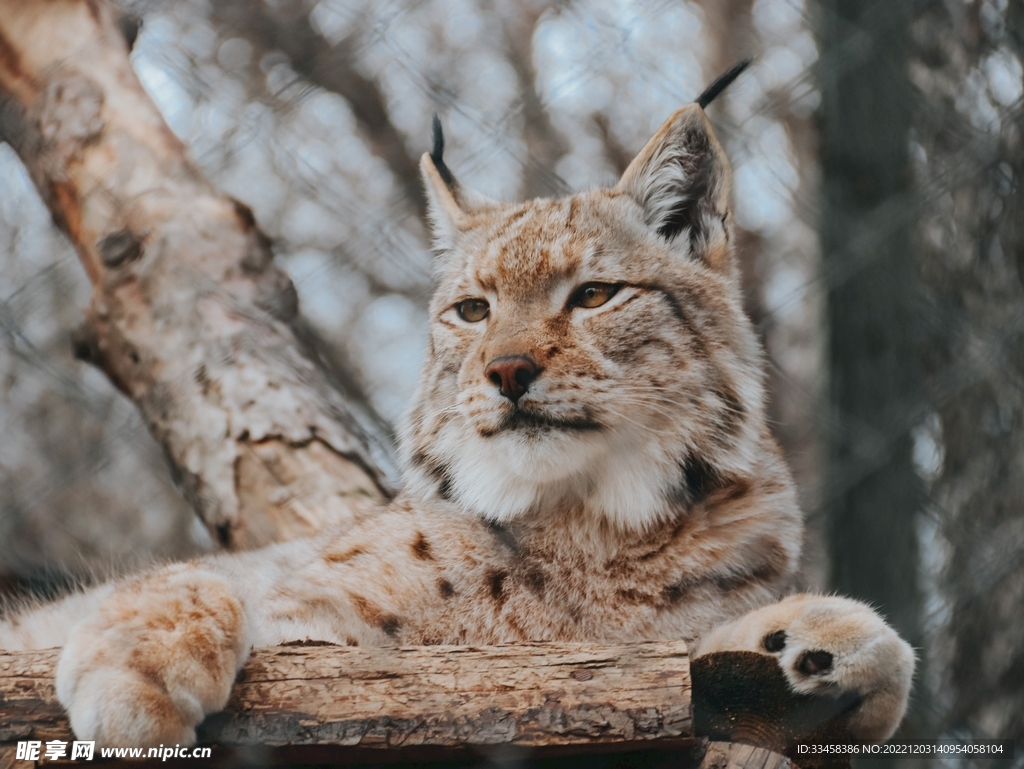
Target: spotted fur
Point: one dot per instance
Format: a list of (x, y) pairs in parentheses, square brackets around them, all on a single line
[(579, 466)]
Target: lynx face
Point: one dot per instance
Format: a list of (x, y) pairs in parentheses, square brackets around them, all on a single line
[(589, 352)]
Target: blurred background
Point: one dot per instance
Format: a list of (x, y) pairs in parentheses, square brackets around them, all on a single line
[(878, 155)]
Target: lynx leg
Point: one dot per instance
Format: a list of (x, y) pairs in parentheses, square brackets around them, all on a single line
[(161, 652), (829, 645)]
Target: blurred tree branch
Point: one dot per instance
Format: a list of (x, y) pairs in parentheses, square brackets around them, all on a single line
[(285, 27), (545, 145), (189, 317), (615, 153)]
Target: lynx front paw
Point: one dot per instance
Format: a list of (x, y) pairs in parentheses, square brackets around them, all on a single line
[(829, 645), (161, 652)]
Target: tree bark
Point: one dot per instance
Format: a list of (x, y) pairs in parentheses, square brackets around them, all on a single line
[(431, 702), (526, 695), (189, 316)]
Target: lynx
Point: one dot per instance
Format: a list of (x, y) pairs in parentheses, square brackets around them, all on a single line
[(586, 458)]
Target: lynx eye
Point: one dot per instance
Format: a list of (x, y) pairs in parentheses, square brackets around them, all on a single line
[(473, 310), (593, 294)]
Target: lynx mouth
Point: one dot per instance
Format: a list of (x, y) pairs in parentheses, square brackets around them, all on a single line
[(531, 421)]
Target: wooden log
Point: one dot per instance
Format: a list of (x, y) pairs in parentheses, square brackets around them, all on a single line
[(571, 696), (190, 317), (311, 702)]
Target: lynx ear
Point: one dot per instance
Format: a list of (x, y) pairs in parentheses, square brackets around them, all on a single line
[(448, 203), (681, 181)]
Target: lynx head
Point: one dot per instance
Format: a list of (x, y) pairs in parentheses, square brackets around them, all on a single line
[(589, 352)]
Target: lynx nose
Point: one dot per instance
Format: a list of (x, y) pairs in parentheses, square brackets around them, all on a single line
[(512, 374)]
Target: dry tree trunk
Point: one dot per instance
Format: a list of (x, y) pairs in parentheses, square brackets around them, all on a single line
[(189, 317)]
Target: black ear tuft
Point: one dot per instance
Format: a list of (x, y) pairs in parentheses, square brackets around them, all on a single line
[(437, 153), (720, 83)]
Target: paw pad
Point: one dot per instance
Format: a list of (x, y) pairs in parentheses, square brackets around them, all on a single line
[(814, 663), (775, 642)]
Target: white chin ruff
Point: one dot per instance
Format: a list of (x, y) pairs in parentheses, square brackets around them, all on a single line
[(623, 479)]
